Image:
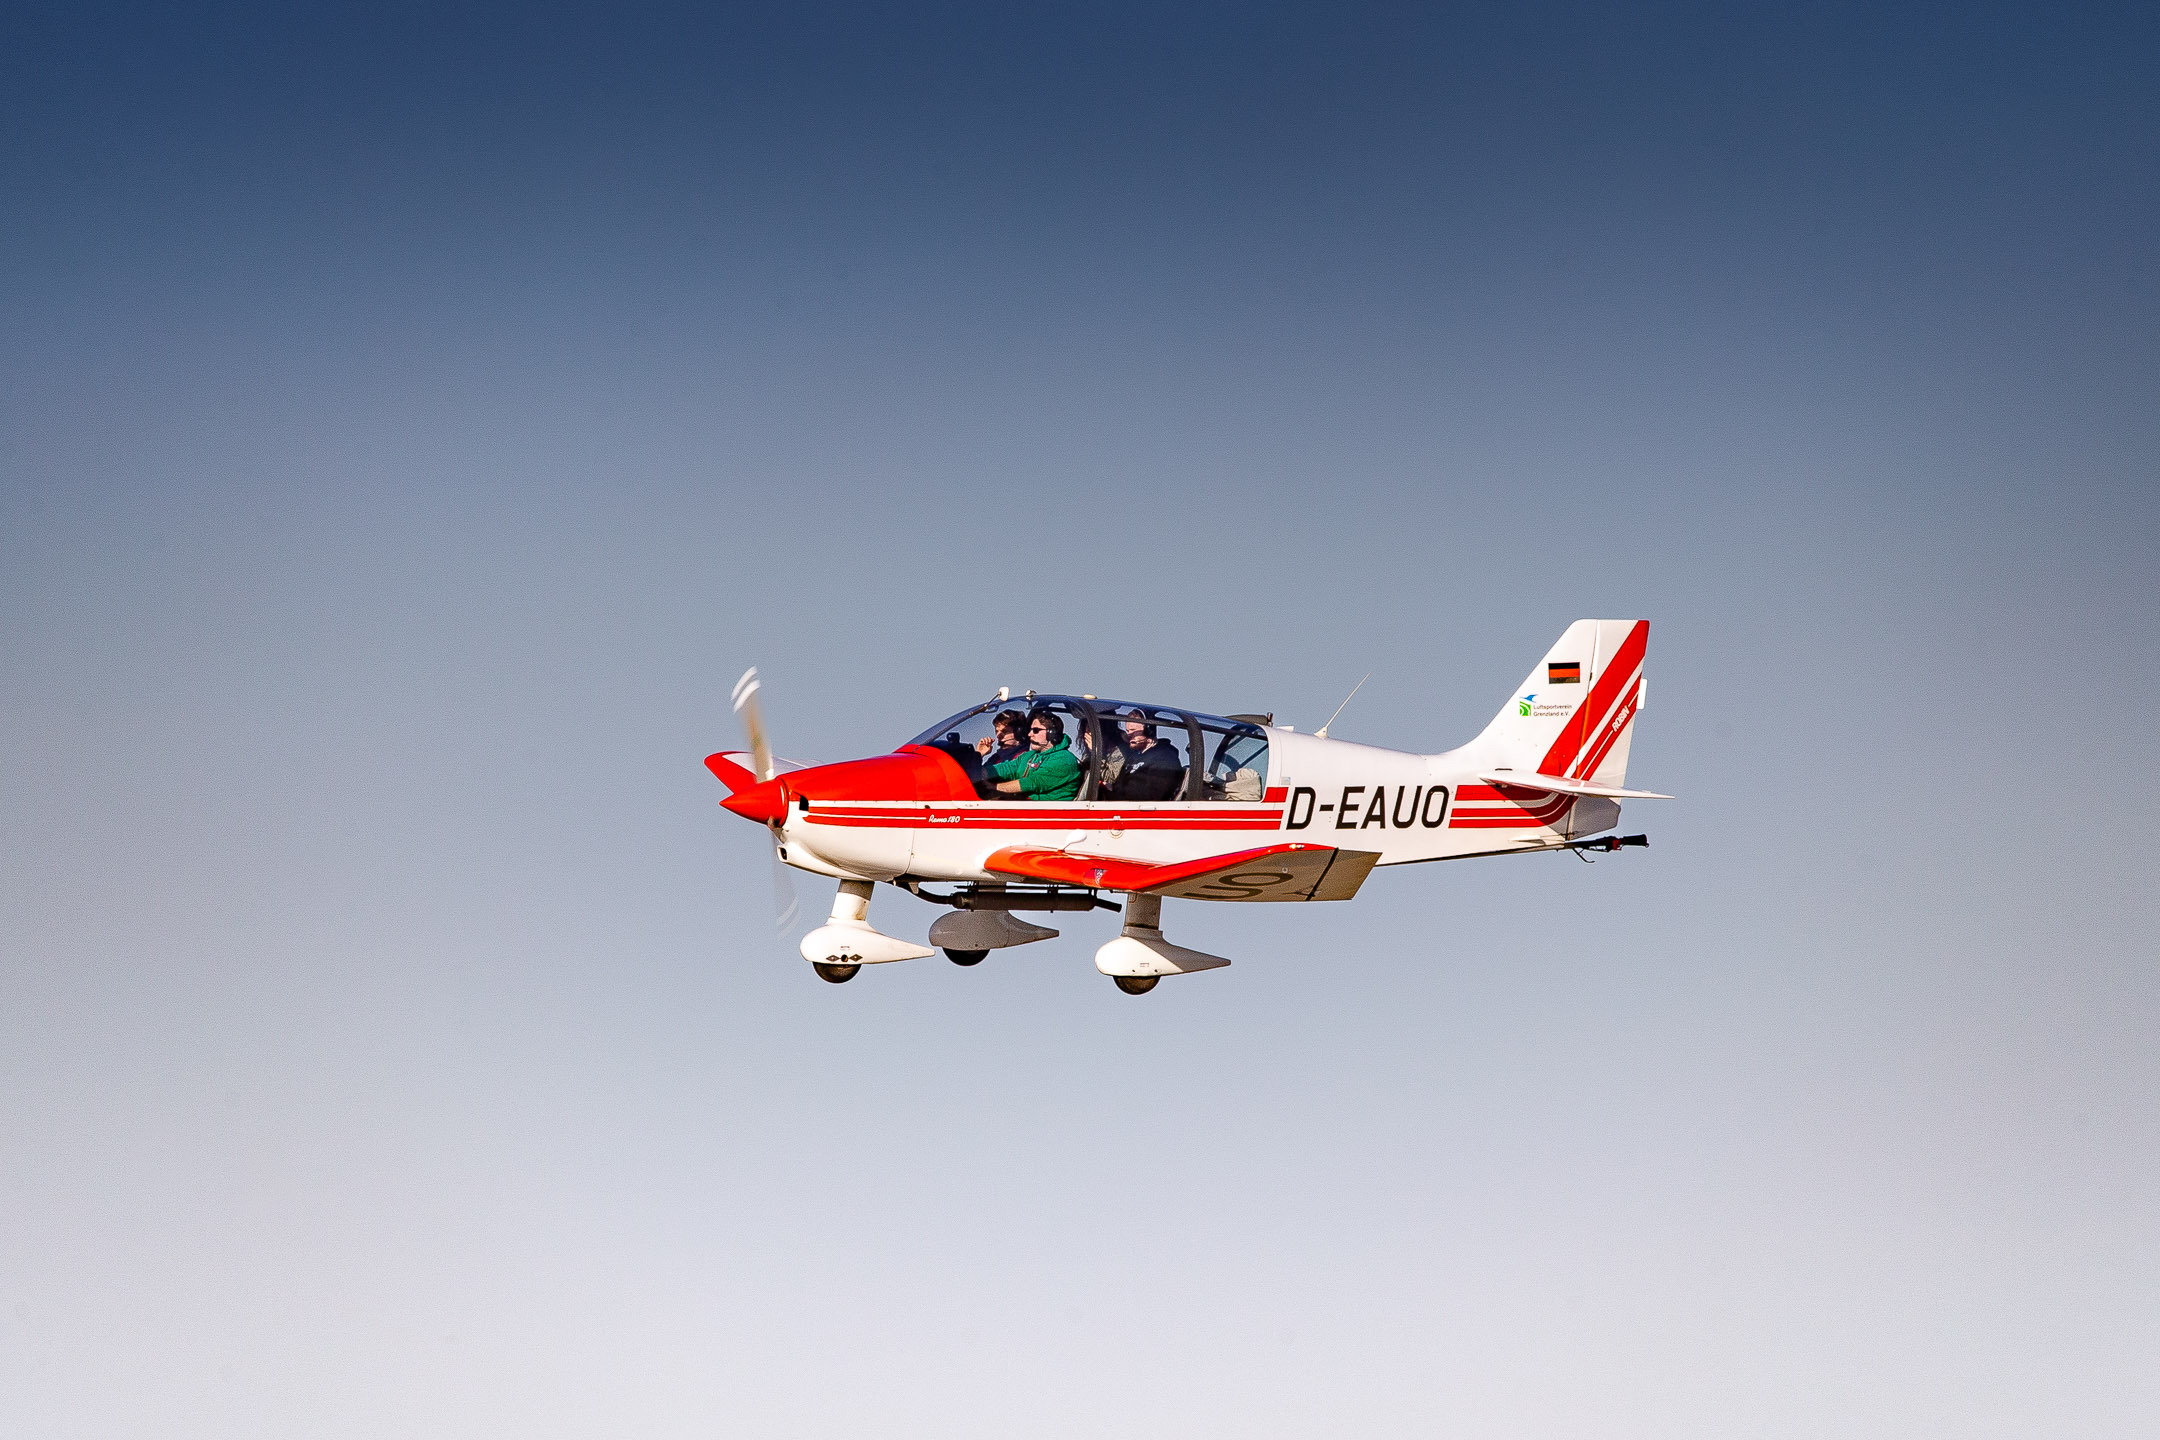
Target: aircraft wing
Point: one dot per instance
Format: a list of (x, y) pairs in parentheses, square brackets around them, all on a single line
[(1561, 785), (1272, 872)]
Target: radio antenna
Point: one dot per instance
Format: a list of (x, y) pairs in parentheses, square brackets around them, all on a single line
[(1321, 733)]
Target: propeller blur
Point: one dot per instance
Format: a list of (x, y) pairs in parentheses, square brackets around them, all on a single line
[(785, 905)]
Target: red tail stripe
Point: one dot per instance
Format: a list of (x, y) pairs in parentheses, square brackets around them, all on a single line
[(1617, 672), (1614, 729)]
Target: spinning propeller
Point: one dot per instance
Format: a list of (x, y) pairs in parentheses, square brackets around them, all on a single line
[(761, 760)]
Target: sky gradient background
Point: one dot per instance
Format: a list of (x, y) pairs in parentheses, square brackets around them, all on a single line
[(413, 424)]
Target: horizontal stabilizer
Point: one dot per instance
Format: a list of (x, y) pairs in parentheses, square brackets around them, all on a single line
[(1561, 785), (1273, 872)]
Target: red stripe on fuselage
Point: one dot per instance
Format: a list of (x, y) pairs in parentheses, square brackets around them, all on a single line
[(1037, 818), (1512, 794), (1509, 817)]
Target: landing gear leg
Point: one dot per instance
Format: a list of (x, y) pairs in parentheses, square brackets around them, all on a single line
[(1140, 956), (846, 941)]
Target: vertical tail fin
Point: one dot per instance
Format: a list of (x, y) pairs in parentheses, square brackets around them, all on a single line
[(1574, 715)]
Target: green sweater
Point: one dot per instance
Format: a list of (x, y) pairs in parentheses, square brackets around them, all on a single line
[(1051, 774)]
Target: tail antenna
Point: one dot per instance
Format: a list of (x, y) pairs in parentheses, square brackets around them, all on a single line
[(1321, 733)]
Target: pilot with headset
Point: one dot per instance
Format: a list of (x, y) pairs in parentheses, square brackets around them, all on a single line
[(1047, 770)]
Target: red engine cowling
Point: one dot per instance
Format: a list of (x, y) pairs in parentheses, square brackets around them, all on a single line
[(915, 773)]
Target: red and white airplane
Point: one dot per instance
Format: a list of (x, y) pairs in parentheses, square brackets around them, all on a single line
[(1150, 801)]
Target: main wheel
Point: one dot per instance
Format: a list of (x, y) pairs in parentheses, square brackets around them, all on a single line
[(836, 974), (1136, 984), (965, 957)]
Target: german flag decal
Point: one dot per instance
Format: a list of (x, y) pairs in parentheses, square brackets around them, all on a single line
[(1563, 672)]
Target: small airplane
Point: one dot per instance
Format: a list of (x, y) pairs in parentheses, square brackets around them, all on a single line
[(1047, 801)]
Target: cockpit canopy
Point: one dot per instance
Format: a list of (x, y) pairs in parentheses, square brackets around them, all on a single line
[(1125, 751)]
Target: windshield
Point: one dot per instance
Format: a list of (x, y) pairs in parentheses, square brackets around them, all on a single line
[(1125, 751), (968, 726), (970, 738)]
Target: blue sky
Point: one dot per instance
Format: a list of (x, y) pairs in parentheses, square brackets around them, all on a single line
[(414, 424)]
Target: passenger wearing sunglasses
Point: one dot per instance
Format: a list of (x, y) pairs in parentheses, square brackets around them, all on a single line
[(1048, 771)]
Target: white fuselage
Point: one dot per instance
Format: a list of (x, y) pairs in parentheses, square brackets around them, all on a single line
[(1400, 806)]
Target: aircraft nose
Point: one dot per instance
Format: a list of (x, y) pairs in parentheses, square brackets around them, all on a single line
[(765, 803)]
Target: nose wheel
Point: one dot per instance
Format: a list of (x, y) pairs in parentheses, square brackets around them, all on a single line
[(846, 943)]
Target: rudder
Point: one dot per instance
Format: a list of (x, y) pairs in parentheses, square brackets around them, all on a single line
[(1573, 716)]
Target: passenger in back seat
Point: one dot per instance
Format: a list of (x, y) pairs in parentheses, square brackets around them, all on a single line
[(1153, 769)]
